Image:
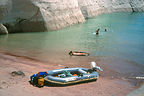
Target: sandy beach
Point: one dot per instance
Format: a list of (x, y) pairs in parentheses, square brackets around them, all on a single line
[(19, 85)]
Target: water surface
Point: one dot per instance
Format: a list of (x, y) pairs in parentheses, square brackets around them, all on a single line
[(121, 48)]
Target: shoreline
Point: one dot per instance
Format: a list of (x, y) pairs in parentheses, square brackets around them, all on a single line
[(104, 86)]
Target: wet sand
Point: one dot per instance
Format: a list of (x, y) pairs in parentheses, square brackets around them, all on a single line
[(137, 92), (19, 86)]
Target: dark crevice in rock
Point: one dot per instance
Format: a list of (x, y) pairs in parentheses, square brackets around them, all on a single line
[(132, 6)]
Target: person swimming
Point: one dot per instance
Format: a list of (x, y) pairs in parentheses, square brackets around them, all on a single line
[(105, 30), (97, 31)]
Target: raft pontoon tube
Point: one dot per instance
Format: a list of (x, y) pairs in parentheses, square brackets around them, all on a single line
[(70, 76), (77, 53)]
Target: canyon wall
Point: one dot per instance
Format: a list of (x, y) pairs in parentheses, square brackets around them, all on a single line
[(43, 15), (5, 7), (47, 15), (91, 8)]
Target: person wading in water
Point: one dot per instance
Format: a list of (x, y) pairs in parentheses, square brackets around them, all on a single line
[(97, 31)]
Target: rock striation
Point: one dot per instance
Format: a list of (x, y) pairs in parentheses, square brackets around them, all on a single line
[(46, 15)]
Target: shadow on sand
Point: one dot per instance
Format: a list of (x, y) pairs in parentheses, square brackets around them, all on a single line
[(49, 84)]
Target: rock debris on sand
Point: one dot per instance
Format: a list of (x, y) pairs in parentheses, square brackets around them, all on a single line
[(18, 73)]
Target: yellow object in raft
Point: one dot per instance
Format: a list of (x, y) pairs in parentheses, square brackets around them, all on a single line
[(41, 81)]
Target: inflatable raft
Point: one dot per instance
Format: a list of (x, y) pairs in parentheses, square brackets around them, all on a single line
[(77, 53), (70, 76), (66, 76)]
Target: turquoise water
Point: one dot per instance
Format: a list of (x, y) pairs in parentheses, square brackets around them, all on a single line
[(120, 47)]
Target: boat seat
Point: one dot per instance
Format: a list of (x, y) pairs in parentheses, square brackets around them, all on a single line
[(82, 71)]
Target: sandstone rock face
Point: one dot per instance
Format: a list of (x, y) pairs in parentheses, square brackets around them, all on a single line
[(137, 5), (3, 29), (25, 16), (46, 15), (91, 8), (60, 13), (5, 6), (43, 15)]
